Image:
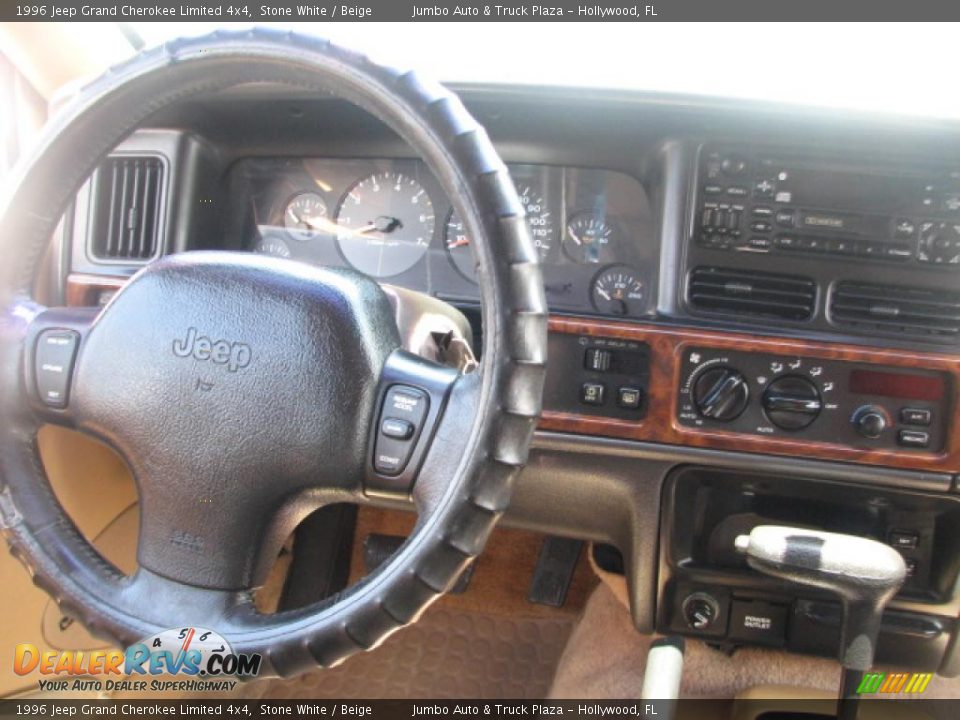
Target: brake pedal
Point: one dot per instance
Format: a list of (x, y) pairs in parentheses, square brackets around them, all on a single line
[(554, 572)]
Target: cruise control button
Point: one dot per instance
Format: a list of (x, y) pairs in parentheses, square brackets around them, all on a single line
[(404, 411), (55, 353), (407, 403), (397, 429)]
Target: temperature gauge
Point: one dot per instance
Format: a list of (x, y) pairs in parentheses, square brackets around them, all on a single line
[(618, 290)]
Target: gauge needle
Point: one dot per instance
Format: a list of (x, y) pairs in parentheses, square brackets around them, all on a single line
[(458, 243), (604, 294), (576, 238)]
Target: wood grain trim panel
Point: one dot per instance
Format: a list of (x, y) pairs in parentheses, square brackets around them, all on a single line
[(666, 349), (660, 424), (85, 290)]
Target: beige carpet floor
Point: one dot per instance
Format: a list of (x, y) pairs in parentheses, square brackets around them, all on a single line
[(449, 654)]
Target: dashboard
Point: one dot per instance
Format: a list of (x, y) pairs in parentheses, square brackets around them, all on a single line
[(755, 316), (388, 218)]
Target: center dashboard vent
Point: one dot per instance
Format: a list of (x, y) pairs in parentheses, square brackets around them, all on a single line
[(757, 294), (127, 197), (893, 309)]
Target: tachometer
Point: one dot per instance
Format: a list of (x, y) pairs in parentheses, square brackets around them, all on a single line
[(385, 224), (618, 290), (305, 215), (587, 239)]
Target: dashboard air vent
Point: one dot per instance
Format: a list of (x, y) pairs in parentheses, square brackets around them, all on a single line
[(127, 195), (892, 309), (744, 292)]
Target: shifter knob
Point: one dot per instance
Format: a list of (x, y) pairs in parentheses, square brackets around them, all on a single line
[(865, 573)]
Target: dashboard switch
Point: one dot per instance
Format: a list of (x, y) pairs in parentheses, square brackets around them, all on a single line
[(56, 351), (915, 416), (592, 393), (629, 398), (914, 439), (597, 359), (904, 539)]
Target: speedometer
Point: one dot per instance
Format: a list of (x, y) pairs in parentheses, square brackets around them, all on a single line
[(385, 223), (539, 220)]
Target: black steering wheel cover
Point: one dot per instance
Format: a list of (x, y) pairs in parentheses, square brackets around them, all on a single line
[(501, 402)]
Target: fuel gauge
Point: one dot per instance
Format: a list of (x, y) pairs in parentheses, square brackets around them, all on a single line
[(618, 290)]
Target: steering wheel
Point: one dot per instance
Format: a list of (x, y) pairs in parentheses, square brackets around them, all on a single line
[(245, 392)]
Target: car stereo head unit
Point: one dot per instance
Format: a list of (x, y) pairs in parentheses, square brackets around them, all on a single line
[(764, 201)]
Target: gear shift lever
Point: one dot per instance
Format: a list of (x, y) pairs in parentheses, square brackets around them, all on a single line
[(865, 573)]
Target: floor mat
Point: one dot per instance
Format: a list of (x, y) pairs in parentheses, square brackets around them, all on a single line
[(449, 654)]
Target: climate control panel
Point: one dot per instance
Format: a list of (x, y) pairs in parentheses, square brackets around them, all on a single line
[(834, 401)]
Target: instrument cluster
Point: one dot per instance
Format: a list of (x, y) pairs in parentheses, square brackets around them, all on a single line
[(389, 219)]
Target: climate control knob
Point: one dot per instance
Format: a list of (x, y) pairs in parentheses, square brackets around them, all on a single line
[(792, 402), (870, 421), (721, 393)]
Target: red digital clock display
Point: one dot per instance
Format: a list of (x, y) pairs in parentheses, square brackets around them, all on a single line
[(904, 386)]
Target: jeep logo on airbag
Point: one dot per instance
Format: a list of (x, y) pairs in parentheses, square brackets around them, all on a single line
[(234, 355)]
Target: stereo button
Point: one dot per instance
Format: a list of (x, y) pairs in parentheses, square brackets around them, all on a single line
[(785, 218), (904, 229)]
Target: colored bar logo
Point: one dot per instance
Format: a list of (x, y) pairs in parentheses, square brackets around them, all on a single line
[(894, 683)]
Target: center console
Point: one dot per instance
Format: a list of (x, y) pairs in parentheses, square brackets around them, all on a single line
[(709, 591)]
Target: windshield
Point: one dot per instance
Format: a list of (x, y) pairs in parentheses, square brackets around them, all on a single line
[(883, 67)]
